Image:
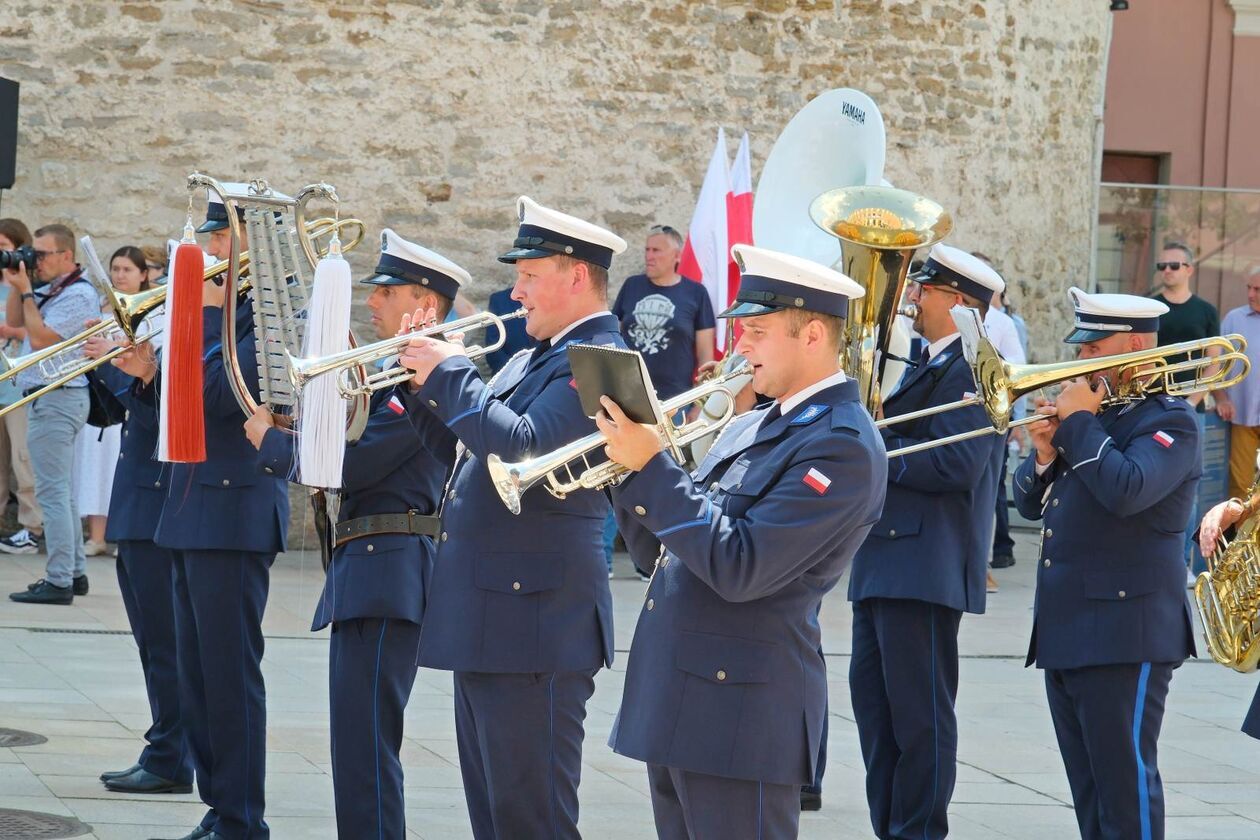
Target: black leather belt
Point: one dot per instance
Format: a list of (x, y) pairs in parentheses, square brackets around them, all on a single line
[(410, 522)]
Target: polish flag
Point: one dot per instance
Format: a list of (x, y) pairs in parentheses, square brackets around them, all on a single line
[(817, 481), (1163, 439), (706, 253), (739, 225), (396, 405)]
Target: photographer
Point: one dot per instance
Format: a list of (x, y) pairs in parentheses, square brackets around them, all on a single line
[(14, 458), (57, 311)]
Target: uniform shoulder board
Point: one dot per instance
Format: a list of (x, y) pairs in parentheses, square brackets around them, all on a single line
[(852, 418), (810, 414), (1169, 403)]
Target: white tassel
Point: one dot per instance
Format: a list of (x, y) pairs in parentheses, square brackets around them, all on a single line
[(322, 410)]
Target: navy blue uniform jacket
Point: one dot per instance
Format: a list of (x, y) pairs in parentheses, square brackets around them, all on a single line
[(1111, 575), (724, 676), (135, 503), (528, 593), (933, 540), (225, 503), (399, 464)]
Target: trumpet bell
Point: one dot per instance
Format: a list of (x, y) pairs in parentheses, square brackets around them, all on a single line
[(506, 479)]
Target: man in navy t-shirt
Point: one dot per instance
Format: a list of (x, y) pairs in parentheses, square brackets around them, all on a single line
[(665, 316)]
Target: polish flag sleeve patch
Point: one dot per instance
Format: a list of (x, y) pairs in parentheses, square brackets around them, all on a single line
[(1163, 439), (816, 481), (396, 405)]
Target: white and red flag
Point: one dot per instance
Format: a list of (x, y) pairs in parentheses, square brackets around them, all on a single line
[(706, 253), (739, 225)]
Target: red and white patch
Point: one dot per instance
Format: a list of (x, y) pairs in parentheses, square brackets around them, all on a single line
[(396, 405), (817, 481), (573, 384), (1163, 439)]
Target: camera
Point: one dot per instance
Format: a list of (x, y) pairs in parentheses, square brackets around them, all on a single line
[(24, 255)]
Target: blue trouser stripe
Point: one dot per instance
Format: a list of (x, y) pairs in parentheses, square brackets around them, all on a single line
[(936, 735), (376, 729), (1144, 793)]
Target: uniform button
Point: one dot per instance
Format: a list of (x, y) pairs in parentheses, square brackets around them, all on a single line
[(1046, 562), (227, 482), (713, 487), (443, 536), (120, 456), (157, 484), (516, 584), (268, 470), (721, 675), (664, 562), (371, 547), (892, 532), (1049, 533), (650, 604), (1054, 503), (640, 510), (1060, 450), (1121, 593), (433, 404), (451, 495)]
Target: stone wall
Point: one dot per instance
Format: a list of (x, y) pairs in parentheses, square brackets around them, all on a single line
[(432, 116)]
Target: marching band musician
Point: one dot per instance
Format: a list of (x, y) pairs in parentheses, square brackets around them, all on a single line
[(519, 606), (1111, 619), (725, 691), (144, 577), (924, 565), (384, 545), (225, 523)]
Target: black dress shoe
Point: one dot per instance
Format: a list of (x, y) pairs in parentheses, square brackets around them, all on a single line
[(79, 583), (142, 781), (197, 833), (1001, 561), (811, 801), (43, 592), (118, 774)]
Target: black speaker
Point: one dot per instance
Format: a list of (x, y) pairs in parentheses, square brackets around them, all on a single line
[(8, 132)]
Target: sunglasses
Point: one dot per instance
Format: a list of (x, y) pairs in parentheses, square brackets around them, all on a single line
[(1170, 266), (39, 255), (664, 229)]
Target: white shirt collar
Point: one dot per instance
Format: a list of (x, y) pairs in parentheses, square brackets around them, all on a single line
[(837, 378), (940, 344), (558, 337)]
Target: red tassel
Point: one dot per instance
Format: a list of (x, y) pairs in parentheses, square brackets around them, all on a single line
[(186, 431)]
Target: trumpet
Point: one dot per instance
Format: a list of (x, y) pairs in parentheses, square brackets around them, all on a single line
[(129, 312), (511, 480), (303, 370), (1142, 373)]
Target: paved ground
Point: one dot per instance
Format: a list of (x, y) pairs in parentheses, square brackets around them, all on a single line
[(70, 674)]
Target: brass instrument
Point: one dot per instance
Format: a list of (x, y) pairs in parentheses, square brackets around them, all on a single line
[(302, 370), (879, 229), (511, 480), (1228, 598), (129, 313), (999, 383)]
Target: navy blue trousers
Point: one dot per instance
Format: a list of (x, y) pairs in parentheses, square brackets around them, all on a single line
[(219, 601), (144, 579), (1251, 723), (697, 806), (1003, 545), (520, 751), (371, 668), (903, 678), (1107, 720)]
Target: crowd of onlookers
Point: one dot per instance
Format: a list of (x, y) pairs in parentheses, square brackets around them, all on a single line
[(57, 468)]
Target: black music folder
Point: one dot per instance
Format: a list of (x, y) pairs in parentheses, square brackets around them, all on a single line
[(619, 374)]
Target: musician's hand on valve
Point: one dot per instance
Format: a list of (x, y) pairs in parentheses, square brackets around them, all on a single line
[(630, 444), (1080, 395), (1214, 523), (138, 363), (423, 354), (97, 345), (1042, 432), (256, 426)]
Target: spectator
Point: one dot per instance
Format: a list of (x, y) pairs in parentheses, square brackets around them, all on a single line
[(56, 312), (14, 456), (1189, 317), (501, 303), (667, 318), (154, 263), (1239, 405), (1002, 331), (96, 449)]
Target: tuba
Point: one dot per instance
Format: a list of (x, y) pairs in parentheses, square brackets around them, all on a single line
[(1228, 598)]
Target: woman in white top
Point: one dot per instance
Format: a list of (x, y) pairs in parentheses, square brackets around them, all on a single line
[(97, 448)]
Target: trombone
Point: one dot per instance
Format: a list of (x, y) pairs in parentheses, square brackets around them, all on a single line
[(129, 313), (511, 480), (999, 383), (303, 370)]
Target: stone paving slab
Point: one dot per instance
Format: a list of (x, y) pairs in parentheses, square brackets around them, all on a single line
[(71, 674)]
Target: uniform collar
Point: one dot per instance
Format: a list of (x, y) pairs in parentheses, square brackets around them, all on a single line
[(558, 338), (837, 378), (934, 349)]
